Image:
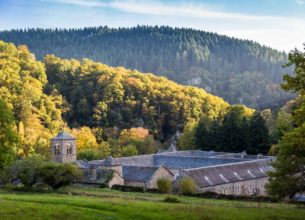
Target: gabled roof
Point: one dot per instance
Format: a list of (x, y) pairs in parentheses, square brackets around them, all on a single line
[(110, 161), (139, 174), (63, 136), (229, 173)]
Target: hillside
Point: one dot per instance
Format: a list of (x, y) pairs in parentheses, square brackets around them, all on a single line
[(95, 203), (88, 93), (240, 71), (98, 95)]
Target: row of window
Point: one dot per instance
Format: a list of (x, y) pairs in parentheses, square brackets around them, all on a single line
[(69, 149)]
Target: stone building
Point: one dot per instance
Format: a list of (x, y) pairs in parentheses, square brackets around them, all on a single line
[(220, 172), (145, 177), (224, 173), (63, 148)]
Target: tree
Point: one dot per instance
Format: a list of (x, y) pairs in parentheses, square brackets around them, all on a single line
[(57, 175), (27, 170), (289, 177), (89, 154), (187, 186), (85, 139), (187, 140), (164, 185), (36, 114), (233, 130), (258, 139), (8, 136)]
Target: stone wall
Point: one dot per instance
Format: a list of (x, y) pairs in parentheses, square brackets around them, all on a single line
[(160, 173), (243, 188), (116, 180)]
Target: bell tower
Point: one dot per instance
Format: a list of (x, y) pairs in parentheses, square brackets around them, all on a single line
[(63, 148)]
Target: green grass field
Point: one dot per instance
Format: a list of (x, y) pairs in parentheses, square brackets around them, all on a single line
[(94, 203)]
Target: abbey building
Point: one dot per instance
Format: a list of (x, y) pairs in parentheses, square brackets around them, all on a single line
[(220, 172)]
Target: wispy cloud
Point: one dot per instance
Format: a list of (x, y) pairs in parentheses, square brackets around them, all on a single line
[(300, 2), (158, 8)]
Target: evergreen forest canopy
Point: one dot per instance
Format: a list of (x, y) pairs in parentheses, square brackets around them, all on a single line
[(240, 71)]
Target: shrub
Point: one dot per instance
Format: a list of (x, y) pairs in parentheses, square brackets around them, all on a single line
[(26, 170), (187, 186), (57, 175), (89, 154), (128, 188), (171, 199), (164, 185)]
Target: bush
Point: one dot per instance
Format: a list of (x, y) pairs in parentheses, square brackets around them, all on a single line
[(171, 199), (26, 170), (57, 175), (164, 185), (187, 186), (89, 154), (128, 188)]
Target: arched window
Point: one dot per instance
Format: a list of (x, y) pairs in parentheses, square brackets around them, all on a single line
[(69, 148), (56, 149)]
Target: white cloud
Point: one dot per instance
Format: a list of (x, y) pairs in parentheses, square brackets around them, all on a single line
[(300, 2)]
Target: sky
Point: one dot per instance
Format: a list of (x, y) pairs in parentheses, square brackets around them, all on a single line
[(279, 24)]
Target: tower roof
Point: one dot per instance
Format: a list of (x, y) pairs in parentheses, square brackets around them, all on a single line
[(63, 136)]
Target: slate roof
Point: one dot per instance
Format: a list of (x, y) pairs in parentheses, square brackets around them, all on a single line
[(187, 162), (63, 136), (139, 174), (228, 173), (110, 162)]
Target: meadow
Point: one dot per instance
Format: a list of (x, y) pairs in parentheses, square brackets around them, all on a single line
[(96, 203)]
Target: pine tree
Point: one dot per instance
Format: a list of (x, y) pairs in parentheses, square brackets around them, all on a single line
[(258, 137)]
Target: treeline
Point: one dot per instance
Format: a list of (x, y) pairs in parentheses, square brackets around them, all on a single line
[(238, 131), (240, 71)]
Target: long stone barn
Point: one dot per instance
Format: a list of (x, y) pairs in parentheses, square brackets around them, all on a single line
[(220, 172)]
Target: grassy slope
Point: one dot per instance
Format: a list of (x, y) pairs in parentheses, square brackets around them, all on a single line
[(106, 204)]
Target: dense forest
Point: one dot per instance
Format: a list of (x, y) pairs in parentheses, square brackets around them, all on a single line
[(240, 71), (109, 110)]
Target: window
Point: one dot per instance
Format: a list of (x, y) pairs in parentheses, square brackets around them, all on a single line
[(56, 149), (69, 148)]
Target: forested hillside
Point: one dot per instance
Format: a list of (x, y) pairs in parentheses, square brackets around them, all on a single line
[(113, 110), (98, 95), (240, 71)]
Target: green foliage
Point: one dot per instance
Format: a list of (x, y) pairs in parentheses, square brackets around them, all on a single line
[(57, 175), (129, 150), (26, 170), (241, 71), (89, 154), (187, 186), (22, 83), (288, 177), (171, 199), (236, 132), (164, 185), (103, 96), (137, 140), (186, 140), (8, 136)]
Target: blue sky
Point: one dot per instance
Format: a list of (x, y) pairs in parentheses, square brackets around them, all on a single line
[(276, 23)]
